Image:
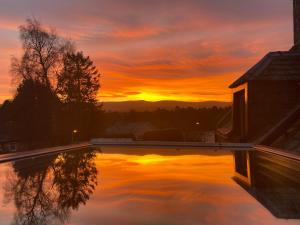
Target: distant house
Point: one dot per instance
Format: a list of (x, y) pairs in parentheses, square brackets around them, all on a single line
[(8, 145), (266, 93), (128, 129)]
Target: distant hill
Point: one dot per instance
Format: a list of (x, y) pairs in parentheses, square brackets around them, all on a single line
[(150, 106)]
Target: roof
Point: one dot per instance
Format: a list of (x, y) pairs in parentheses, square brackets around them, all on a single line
[(274, 66)]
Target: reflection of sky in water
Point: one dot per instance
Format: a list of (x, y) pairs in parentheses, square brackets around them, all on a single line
[(171, 189)]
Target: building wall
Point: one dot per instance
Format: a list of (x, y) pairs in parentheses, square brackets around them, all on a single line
[(239, 114), (296, 21), (268, 102)]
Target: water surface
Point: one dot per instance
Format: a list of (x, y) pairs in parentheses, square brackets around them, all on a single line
[(145, 186)]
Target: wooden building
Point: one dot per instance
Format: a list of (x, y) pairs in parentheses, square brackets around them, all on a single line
[(266, 93)]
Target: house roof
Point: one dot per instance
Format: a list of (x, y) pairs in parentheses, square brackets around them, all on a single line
[(274, 66)]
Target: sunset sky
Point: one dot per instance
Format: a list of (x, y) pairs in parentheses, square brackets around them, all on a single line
[(188, 50)]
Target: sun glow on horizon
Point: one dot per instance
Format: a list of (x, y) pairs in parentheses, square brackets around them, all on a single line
[(156, 57), (155, 97)]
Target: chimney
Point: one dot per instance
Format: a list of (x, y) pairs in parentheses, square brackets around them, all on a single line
[(296, 22)]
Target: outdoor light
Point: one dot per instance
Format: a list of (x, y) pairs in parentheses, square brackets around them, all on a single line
[(73, 134)]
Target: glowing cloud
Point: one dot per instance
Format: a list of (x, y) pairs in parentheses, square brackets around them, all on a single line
[(157, 50)]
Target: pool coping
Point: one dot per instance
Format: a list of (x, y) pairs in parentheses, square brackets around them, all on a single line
[(230, 146), (120, 142), (40, 152), (129, 142)]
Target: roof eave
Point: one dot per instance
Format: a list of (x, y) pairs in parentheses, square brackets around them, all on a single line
[(256, 69)]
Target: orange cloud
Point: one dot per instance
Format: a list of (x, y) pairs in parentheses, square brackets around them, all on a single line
[(154, 50)]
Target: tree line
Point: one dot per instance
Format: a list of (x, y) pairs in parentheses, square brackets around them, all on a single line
[(56, 90), (200, 119)]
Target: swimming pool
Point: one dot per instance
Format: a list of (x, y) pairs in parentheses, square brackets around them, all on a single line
[(144, 185)]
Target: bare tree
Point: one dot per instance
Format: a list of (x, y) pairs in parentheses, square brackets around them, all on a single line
[(43, 52)]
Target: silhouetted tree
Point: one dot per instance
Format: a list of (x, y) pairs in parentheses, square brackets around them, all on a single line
[(34, 107), (78, 85), (79, 80), (6, 120), (56, 91), (42, 53), (34, 112)]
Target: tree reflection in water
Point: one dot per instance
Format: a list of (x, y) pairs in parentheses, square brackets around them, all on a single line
[(46, 190), (75, 178)]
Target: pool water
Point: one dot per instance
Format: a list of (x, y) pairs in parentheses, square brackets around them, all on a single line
[(150, 186)]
